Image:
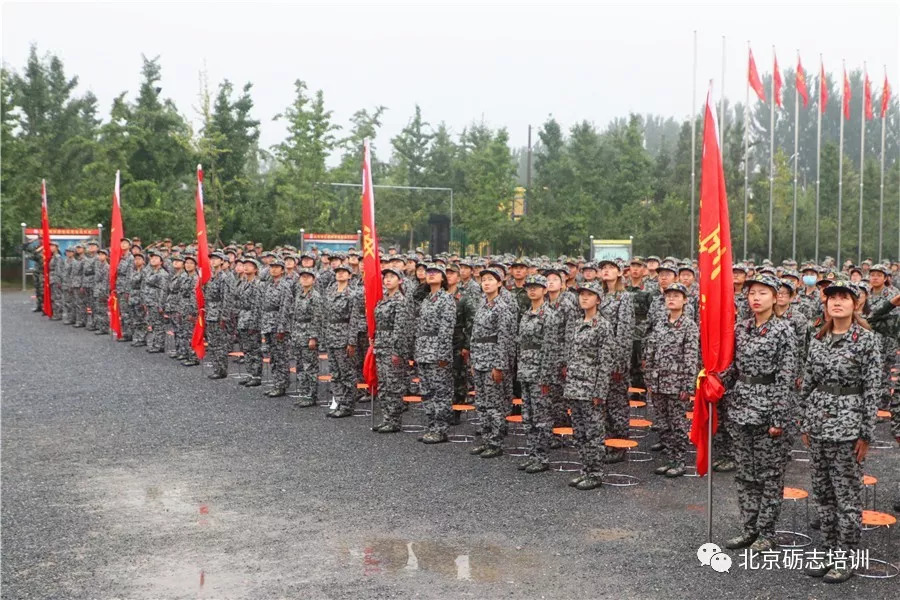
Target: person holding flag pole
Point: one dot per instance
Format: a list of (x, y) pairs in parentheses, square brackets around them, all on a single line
[(119, 277), (46, 255)]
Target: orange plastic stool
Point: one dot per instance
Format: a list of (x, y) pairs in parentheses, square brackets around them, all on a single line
[(877, 568), (794, 538)]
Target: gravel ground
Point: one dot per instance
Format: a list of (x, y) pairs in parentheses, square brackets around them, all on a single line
[(126, 475)]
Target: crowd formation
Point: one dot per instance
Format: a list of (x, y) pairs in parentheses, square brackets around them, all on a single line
[(814, 349)]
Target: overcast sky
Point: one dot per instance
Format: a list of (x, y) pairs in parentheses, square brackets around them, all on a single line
[(510, 65)]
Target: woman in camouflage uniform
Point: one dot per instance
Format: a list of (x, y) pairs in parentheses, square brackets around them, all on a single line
[(340, 341), (305, 334), (838, 405), (276, 302), (391, 348), (248, 306), (188, 306), (138, 319)]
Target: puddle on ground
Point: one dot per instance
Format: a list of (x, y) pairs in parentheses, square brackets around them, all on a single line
[(484, 563)]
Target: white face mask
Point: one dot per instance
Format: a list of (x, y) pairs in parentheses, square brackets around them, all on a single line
[(809, 280)]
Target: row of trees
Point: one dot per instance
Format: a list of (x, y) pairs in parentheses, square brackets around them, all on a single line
[(631, 178)]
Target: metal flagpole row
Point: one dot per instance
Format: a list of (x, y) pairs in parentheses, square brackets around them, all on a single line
[(693, 114), (819, 150), (771, 161), (862, 163), (747, 152), (881, 192), (841, 165), (796, 158)]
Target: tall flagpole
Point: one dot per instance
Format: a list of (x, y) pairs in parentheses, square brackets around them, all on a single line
[(796, 156), (771, 161), (747, 152), (722, 102), (819, 149), (862, 161), (693, 114), (881, 193), (841, 164)]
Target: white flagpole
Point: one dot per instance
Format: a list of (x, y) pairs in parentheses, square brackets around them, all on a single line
[(747, 151), (771, 160), (862, 162), (796, 156), (819, 149), (722, 102), (841, 165), (693, 114), (881, 193)]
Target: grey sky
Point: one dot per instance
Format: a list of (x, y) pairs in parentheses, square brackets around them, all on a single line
[(509, 64)]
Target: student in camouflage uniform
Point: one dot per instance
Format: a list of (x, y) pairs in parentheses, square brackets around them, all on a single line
[(433, 354), (465, 301), (838, 405), (492, 335), (881, 293), (565, 304), (67, 287), (788, 309), (671, 356), (35, 253), (101, 293), (760, 384), (123, 288), (276, 303), (540, 357), (305, 335), (392, 352), (88, 273), (56, 270), (173, 307), (642, 294), (247, 304), (188, 305), (340, 341), (590, 350), (154, 288), (218, 339), (136, 302), (78, 286), (617, 308)]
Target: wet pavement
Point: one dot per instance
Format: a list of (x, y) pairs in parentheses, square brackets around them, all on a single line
[(126, 475)]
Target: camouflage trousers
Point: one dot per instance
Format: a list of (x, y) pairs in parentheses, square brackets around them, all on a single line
[(759, 476), (673, 425), (251, 346), (723, 444), (636, 373), (82, 302), (279, 359), (538, 420), (186, 329), (307, 368), (343, 377), (101, 312), (461, 378), (589, 435), (359, 358), (177, 326), (617, 410), (218, 345), (436, 388), (391, 386), (490, 404), (39, 291), (138, 322), (837, 487), (56, 300), (124, 314), (558, 409), (156, 317), (69, 305)]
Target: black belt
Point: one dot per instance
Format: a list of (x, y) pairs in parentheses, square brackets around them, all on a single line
[(531, 346), (491, 339), (840, 391), (763, 380)]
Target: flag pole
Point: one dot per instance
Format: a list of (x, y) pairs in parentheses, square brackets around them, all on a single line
[(722, 101), (819, 149), (709, 470), (771, 161), (747, 152), (862, 162), (881, 193), (693, 143), (841, 164), (796, 156)]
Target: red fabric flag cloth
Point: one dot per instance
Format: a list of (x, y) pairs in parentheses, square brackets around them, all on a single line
[(371, 265), (776, 77), (823, 89), (203, 268), (801, 83), (885, 97), (846, 98), (45, 243), (867, 96), (753, 77), (716, 288), (116, 233)]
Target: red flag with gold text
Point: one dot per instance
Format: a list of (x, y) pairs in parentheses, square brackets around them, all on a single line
[(116, 233), (371, 265), (45, 243), (203, 268)]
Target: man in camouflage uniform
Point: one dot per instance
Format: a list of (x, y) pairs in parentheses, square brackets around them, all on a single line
[(340, 341), (464, 313), (217, 337), (68, 278), (88, 273), (392, 350), (641, 295), (123, 288), (882, 293), (305, 335), (138, 318), (154, 288), (671, 356), (540, 357), (247, 305), (57, 262), (78, 286), (101, 293), (276, 303), (187, 303), (173, 308)]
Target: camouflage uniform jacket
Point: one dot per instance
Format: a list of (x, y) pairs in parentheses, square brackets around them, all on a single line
[(247, 304), (760, 380), (101, 279), (850, 361), (617, 308), (77, 273), (493, 337), (671, 355), (539, 348), (187, 302), (324, 280), (307, 315), (57, 262), (434, 328), (810, 305), (137, 280), (88, 271), (275, 305), (391, 327), (68, 273), (589, 359), (464, 314), (155, 288), (337, 314), (800, 326), (641, 296), (214, 295), (173, 299), (123, 274)]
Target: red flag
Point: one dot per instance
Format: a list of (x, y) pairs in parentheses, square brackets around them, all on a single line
[(867, 96), (885, 97), (823, 88), (776, 78), (116, 233), (45, 242), (846, 98), (371, 264), (801, 83), (203, 270), (716, 288), (753, 78)]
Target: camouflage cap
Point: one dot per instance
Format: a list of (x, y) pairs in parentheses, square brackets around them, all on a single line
[(638, 260), (589, 265), (539, 280), (190, 257), (740, 267), (343, 267), (790, 273), (251, 261), (277, 263), (93, 243), (217, 254), (678, 287), (591, 286), (842, 286), (521, 261), (103, 251), (652, 257), (790, 284), (667, 266), (452, 267), (764, 279), (687, 267), (396, 272), (881, 268), (436, 267), (307, 271), (609, 261), (494, 272)]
